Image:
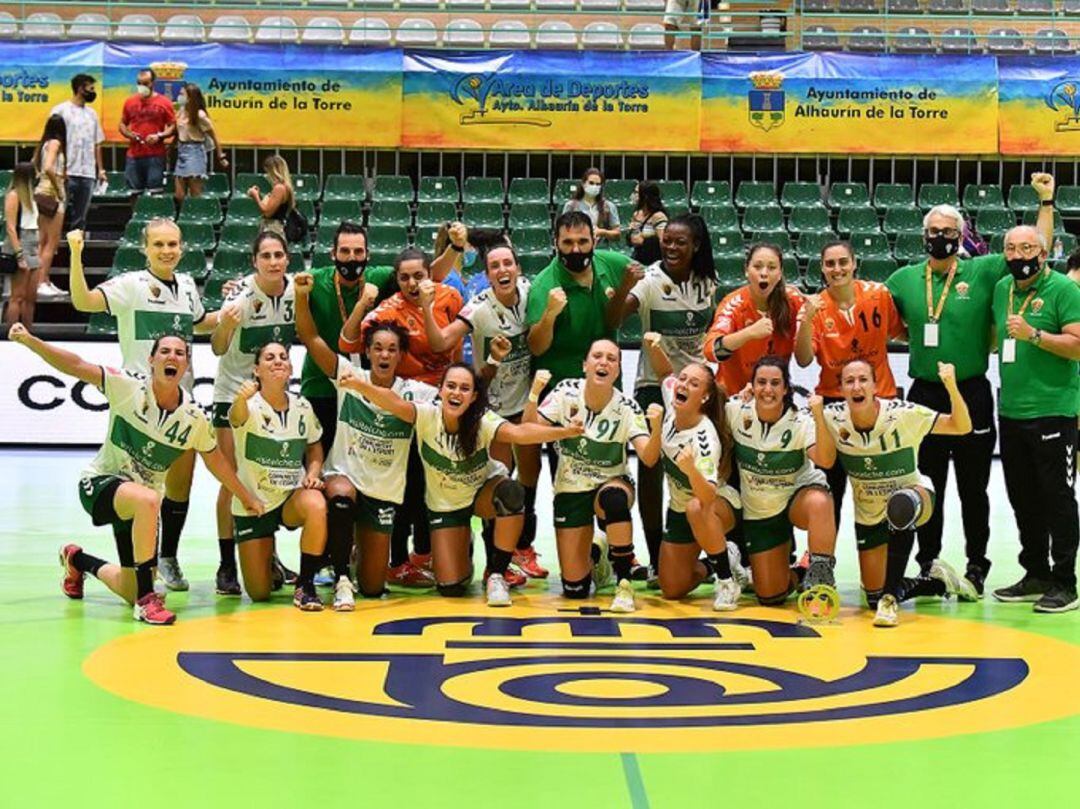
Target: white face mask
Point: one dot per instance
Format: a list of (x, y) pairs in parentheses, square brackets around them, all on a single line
[(181, 101), (143, 90), (591, 189)]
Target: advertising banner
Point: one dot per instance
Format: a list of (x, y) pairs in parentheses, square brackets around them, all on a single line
[(1039, 107), (36, 76)]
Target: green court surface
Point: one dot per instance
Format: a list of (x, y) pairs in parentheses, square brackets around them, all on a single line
[(100, 711)]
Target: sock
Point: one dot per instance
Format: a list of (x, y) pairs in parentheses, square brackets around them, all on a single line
[(594, 553), (922, 586), (399, 540), (827, 558), (227, 551), (421, 539), (85, 563), (488, 535), (144, 577), (873, 597), (309, 566), (173, 516), (653, 537), (528, 533), (720, 564), (498, 560), (339, 534), (622, 557)]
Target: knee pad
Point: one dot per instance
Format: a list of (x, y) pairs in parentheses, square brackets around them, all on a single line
[(615, 503), (455, 589), (773, 600), (508, 498), (903, 509), (576, 589)]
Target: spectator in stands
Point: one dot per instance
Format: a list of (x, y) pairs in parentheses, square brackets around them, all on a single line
[(195, 139), (685, 15), (275, 205), (21, 244), (147, 121), (1037, 327), (51, 195), (946, 303), (589, 199), (1072, 265), (647, 223), (85, 164), (456, 255)]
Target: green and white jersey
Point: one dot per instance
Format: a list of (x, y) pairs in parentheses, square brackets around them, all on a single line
[(707, 451), (772, 459), (263, 319), (487, 318), (883, 459), (147, 308), (371, 446), (452, 480), (270, 449), (143, 440), (680, 313), (588, 461)]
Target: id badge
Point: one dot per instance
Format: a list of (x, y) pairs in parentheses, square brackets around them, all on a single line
[(1008, 350), (930, 335)]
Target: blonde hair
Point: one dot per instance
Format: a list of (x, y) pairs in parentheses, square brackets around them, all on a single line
[(157, 222), (277, 170), (22, 183)]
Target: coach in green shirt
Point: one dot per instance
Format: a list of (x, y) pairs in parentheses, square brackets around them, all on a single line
[(1037, 327), (946, 302)]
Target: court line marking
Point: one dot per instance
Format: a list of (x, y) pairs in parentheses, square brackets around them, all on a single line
[(634, 783)]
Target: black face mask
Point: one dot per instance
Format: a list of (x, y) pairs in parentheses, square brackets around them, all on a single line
[(89, 96), (576, 262), (941, 247), (1023, 268), (350, 270)]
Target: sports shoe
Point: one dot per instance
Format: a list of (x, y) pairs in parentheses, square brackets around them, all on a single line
[(1028, 588), (740, 572), (170, 573), (1058, 598), (498, 593), (955, 584), (886, 612), (325, 577), (601, 571), (150, 609), (344, 595), (527, 560), (48, 291), (638, 571), (727, 595), (512, 577), (225, 582), (653, 582), (420, 560), (307, 600), (73, 579), (408, 575), (818, 572), (288, 576), (975, 577), (624, 598)]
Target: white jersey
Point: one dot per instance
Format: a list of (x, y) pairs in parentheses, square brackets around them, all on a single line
[(509, 389), (451, 480), (143, 440), (772, 459), (680, 313), (147, 308), (270, 449), (263, 319), (703, 438), (588, 461), (883, 459), (371, 446)]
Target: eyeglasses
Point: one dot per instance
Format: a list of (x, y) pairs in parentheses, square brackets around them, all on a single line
[(1023, 247), (948, 233)]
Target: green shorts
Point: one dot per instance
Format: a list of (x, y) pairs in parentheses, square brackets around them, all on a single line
[(450, 519), (868, 537), (763, 535), (220, 414), (677, 527), (575, 509), (96, 495), (378, 515), (647, 395), (246, 528)]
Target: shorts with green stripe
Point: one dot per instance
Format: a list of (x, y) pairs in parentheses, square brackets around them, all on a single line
[(868, 537), (260, 527), (764, 535), (220, 414), (450, 519), (375, 514), (576, 509), (97, 495), (677, 527)]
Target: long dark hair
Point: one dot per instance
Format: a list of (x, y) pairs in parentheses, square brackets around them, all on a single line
[(55, 129), (777, 302), (601, 204), (389, 326), (702, 265), (22, 183), (468, 434), (648, 197), (713, 409), (769, 361), (195, 104)]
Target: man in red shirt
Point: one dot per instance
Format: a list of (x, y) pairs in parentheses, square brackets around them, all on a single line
[(148, 119)]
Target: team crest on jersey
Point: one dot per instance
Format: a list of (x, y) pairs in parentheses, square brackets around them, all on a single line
[(868, 463), (1037, 305), (258, 305), (962, 289), (155, 290), (267, 421), (747, 422), (845, 434), (761, 457), (830, 324), (668, 289)]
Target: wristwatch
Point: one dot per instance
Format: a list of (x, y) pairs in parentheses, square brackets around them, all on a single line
[(1036, 338)]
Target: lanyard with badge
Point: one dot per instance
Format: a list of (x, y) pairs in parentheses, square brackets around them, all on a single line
[(930, 330), (340, 298), (1008, 345)]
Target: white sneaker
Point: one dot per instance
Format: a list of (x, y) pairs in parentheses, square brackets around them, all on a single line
[(344, 600), (170, 573), (601, 572), (727, 595), (738, 571), (498, 591), (886, 614), (624, 598), (49, 291), (955, 584)]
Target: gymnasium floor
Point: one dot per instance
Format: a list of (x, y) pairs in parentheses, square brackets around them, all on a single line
[(961, 705)]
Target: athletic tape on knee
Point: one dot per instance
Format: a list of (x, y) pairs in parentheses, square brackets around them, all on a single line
[(615, 503), (508, 498), (576, 588)]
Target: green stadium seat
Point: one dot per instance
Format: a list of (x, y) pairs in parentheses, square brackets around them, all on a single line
[(296, 262), (752, 193), (869, 243), (1023, 198), (763, 217), (730, 271), (133, 234), (722, 216), (1030, 217), (810, 219), (711, 193), (1068, 244), (532, 240), (387, 238), (344, 186), (631, 331), (811, 242), (438, 189), (217, 186), (306, 186), (482, 189), (381, 257), (307, 209), (672, 192), (5, 177), (194, 264), (530, 216), (728, 243), (149, 207), (528, 190), (341, 210), (903, 220), (244, 181), (201, 238), (386, 212), (978, 197), (101, 323), (324, 240), (893, 195), (425, 237), (435, 213), (483, 215), (128, 259), (1068, 199), (619, 191), (778, 237), (909, 248), (876, 268), (533, 263), (811, 282), (857, 219), (847, 195), (392, 188), (994, 220), (564, 189), (243, 210), (239, 235), (231, 262), (200, 210), (931, 194), (675, 209), (801, 195), (116, 187)]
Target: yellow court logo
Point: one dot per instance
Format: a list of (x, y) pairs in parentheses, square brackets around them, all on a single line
[(544, 676)]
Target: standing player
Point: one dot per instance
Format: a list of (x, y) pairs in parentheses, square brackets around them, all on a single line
[(149, 304), (261, 310), (877, 441), (278, 455), (152, 424), (592, 480)]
